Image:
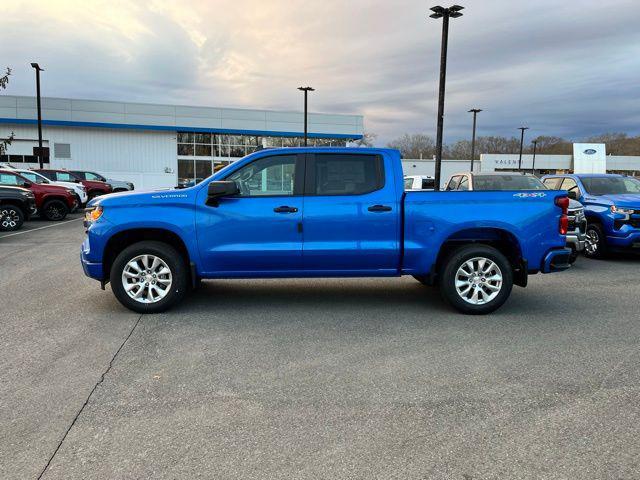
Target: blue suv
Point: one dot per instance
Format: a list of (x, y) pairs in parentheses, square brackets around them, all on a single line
[(612, 208)]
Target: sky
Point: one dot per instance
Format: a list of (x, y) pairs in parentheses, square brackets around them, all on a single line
[(569, 68)]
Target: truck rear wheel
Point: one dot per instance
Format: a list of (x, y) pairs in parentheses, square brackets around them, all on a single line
[(476, 279), (149, 277)]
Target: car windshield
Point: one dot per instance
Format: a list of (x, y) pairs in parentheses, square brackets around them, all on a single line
[(610, 185), (34, 177), (507, 182)]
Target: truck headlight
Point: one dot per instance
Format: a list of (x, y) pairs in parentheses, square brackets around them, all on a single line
[(92, 215), (621, 210)]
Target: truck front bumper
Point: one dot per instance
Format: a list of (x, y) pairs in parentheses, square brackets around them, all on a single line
[(630, 241), (91, 269), (556, 260)]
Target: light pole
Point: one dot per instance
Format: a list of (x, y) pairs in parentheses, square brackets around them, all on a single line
[(533, 163), (445, 14), (522, 129), (306, 91), (475, 112), (38, 70)]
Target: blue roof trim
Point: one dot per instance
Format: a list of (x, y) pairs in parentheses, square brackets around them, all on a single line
[(130, 126)]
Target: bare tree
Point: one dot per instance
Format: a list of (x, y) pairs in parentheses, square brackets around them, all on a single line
[(5, 142), (416, 145), (367, 140)]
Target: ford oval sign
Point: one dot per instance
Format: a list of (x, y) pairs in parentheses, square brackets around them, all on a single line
[(589, 151)]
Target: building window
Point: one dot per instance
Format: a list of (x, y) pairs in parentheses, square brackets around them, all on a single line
[(62, 150), (221, 146)]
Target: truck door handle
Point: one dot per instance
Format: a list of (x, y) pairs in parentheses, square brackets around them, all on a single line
[(379, 208), (285, 209)]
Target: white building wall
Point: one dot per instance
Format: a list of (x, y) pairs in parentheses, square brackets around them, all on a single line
[(138, 156)]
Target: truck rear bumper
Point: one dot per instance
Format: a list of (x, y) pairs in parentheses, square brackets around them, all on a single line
[(556, 261), (576, 240)]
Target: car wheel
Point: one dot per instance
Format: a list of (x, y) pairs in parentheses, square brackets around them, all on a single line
[(149, 277), (594, 245), (476, 279), (11, 218), (55, 210)]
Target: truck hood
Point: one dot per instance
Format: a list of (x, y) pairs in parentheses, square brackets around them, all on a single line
[(138, 197), (622, 200)]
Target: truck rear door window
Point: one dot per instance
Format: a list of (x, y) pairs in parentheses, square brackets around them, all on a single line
[(344, 174)]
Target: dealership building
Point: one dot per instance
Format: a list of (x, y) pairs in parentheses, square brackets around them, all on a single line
[(586, 158), (155, 145)]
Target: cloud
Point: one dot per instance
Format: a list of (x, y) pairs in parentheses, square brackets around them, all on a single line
[(567, 69)]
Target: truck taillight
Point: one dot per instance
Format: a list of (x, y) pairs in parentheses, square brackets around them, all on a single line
[(563, 203), (564, 224)]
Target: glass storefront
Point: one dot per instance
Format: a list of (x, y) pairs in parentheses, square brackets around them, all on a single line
[(201, 154)]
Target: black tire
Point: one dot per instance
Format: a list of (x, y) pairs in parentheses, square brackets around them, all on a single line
[(573, 256), (423, 279), (11, 218), (596, 246), (174, 261), (456, 260), (55, 210)]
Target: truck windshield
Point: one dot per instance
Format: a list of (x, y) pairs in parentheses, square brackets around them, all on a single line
[(610, 185), (507, 182)]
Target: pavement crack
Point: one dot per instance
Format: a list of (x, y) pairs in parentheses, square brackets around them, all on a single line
[(86, 402)]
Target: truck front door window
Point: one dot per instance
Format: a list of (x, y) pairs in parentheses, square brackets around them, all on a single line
[(268, 176)]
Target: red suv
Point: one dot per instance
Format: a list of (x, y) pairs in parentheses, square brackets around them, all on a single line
[(94, 188), (53, 201)]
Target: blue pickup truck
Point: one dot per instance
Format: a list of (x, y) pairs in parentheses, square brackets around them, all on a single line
[(322, 212), (612, 207)]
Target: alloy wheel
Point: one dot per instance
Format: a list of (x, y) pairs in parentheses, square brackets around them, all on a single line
[(478, 280), (9, 218), (592, 239), (147, 278)]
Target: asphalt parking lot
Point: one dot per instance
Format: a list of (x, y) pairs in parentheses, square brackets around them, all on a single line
[(314, 378)]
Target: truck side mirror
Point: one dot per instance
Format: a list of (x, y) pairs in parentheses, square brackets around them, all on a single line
[(220, 189), (26, 184), (572, 194)]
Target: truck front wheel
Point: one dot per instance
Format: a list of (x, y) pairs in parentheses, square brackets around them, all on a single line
[(149, 277), (594, 245), (476, 279)]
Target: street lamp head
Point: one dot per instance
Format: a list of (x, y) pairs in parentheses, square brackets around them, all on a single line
[(475, 110), (37, 67), (307, 89), (453, 11), (523, 128)]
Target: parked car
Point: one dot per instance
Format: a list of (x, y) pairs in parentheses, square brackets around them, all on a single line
[(419, 182), (523, 181), (116, 185), (52, 201), (35, 177), (94, 188), (16, 206), (248, 221), (612, 208)]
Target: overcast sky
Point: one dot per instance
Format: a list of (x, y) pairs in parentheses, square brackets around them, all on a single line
[(563, 68)]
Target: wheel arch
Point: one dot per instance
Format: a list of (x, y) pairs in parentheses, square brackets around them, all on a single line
[(499, 238), (125, 238)]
